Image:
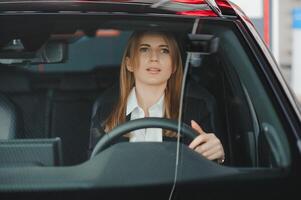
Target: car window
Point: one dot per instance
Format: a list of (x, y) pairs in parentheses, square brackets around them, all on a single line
[(272, 143), (237, 105), (223, 94), (105, 49), (226, 114)]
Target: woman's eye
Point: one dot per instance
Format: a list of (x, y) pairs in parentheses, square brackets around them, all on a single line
[(165, 51), (143, 49)]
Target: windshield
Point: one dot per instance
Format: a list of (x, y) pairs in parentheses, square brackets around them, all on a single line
[(139, 99)]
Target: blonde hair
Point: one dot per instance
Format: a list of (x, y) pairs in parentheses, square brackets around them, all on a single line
[(127, 81)]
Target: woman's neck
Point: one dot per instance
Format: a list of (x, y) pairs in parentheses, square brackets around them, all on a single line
[(148, 95)]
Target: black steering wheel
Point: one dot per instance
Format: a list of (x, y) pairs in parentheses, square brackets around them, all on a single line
[(149, 122)]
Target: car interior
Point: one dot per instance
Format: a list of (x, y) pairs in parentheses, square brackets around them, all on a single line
[(58, 100)]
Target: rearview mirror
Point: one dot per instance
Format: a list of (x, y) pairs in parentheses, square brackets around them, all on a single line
[(50, 52)]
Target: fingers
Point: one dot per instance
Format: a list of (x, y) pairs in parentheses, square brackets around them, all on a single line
[(211, 142), (209, 146), (197, 141), (213, 153), (197, 127), (217, 156)]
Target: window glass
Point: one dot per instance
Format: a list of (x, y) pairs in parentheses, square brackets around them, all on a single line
[(87, 53), (272, 142), (231, 101)]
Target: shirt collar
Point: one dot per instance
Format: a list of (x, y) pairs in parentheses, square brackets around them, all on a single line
[(132, 102)]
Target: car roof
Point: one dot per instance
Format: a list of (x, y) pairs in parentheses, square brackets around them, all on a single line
[(217, 8)]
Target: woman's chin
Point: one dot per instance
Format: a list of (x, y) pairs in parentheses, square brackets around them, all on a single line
[(155, 82)]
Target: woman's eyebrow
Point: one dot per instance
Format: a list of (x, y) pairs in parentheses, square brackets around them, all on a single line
[(162, 45), (145, 45)]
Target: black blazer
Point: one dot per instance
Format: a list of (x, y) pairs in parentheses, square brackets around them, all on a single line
[(194, 109)]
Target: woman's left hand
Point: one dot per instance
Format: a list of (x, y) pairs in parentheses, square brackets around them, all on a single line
[(207, 144)]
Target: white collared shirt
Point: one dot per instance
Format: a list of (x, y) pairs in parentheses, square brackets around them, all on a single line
[(156, 110)]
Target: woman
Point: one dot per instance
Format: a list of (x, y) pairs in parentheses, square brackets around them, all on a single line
[(150, 86)]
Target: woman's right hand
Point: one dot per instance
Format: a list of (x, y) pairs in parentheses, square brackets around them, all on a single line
[(207, 144)]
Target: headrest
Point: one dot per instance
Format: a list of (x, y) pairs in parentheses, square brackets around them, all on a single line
[(8, 117)]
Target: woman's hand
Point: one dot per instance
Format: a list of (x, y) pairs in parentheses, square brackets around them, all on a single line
[(207, 144)]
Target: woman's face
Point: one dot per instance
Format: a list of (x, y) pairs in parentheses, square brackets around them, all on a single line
[(154, 61)]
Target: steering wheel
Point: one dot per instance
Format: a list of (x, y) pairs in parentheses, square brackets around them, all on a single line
[(149, 122)]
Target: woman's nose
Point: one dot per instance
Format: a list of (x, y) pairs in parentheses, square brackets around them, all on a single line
[(154, 56)]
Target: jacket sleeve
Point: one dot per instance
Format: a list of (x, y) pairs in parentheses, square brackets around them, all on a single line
[(196, 109)]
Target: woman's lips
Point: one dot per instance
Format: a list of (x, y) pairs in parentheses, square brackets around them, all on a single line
[(153, 70)]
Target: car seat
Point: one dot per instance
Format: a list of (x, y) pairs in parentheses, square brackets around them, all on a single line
[(8, 118)]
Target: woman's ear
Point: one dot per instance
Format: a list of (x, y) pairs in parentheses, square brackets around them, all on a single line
[(129, 67)]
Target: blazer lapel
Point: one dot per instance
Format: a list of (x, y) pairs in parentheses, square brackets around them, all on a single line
[(128, 117)]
